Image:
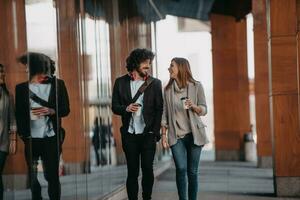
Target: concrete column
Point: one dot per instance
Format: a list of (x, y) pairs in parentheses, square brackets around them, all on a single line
[(70, 67), (125, 35), (13, 44), (231, 86), (283, 20), (263, 126)]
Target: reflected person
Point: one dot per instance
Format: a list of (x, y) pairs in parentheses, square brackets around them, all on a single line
[(39, 126), (96, 140), (8, 137)]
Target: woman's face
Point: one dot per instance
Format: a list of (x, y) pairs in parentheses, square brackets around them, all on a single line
[(173, 70), (2, 75)]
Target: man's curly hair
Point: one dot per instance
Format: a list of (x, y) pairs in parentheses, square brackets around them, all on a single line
[(136, 57)]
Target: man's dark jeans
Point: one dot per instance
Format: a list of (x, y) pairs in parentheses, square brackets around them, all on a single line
[(47, 150), (139, 148), (186, 157), (3, 156)]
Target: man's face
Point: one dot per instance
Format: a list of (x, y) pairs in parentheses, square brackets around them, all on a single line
[(144, 68)]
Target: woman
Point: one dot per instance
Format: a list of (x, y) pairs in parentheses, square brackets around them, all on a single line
[(184, 104), (7, 125)]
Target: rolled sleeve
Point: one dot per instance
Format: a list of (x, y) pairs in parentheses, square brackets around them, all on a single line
[(164, 119), (201, 101)]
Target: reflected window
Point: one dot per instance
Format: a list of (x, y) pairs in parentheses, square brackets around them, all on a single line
[(41, 27)]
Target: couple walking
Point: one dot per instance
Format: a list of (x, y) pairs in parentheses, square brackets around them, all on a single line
[(138, 99)]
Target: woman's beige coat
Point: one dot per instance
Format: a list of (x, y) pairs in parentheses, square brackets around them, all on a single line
[(8, 121), (196, 94)]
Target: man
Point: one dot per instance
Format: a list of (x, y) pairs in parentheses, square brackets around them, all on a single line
[(139, 131), (40, 105)]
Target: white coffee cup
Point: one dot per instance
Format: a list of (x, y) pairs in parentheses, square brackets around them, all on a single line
[(183, 100), (139, 111)]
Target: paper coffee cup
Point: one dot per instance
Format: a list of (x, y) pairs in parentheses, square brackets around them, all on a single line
[(139, 111), (183, 100)]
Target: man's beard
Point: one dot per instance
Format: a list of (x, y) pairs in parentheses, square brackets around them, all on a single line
[(141, 73)]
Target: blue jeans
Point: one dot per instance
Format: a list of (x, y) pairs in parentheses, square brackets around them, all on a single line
[(186, 157)]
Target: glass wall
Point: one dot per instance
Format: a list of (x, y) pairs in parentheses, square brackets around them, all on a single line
[(96, 54), (62, 57), (74, 39)]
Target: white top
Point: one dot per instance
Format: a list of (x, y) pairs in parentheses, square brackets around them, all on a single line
[(42, 126), (137, 123)]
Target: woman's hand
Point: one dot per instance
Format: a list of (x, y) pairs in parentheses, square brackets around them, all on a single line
[(193, 106), (164, 138), (13, 147), (13, 143), (189, 103), (164, 141)]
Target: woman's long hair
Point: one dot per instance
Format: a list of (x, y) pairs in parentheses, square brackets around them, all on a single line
[(184, 73), (3, 85)]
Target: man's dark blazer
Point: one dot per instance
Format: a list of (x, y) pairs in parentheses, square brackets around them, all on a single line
[(153, 104), (23, 108)]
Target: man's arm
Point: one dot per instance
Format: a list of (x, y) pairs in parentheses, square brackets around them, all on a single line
[(19, 107), (63, 103), (117, 106), (158, 108)]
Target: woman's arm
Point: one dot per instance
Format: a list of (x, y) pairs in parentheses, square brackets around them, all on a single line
[(200, 108), (164, 137)]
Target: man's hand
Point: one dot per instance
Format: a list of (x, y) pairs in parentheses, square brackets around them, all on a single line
[(43, 111), (133, 107)]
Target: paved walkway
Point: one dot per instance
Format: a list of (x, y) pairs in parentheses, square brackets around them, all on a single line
[(222, 181), (218, 181), (99, 184)]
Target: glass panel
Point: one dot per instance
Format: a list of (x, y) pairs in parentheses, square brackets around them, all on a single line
[(46, 99), (95, 42), (74, 38), (71, 71)]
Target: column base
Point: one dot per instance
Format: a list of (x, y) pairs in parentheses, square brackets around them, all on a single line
[(76, 168), (287, 186), (265, 162), (121, 160), (15, 182), (228, 155)]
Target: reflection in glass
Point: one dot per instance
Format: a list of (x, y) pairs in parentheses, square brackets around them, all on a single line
[(41, 27), (7, 125), (41, 103), (97, 61), (39, 126)]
